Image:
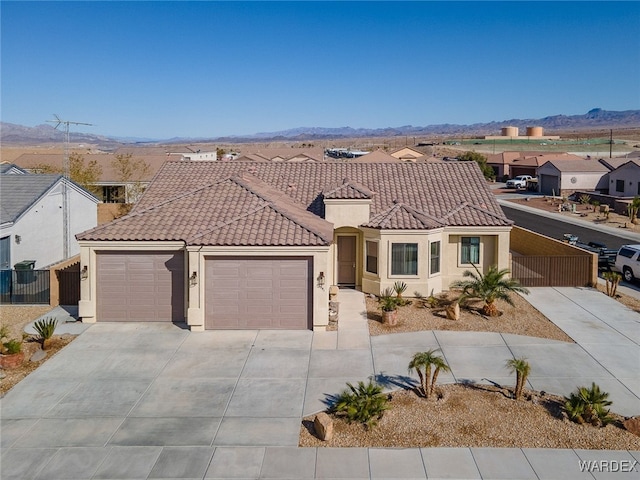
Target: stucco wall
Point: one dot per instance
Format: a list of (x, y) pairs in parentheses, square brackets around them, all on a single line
[(347, 213), (630, 174)]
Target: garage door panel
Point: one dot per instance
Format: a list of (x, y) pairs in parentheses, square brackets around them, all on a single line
[(140, 286), (254, 292)]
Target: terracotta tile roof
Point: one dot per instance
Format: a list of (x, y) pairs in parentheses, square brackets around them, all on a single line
[(403, 217), (274, 203), (348, 189), (375, 156)]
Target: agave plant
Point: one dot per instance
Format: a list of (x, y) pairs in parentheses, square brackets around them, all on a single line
[(423, 363), (522, 369), (587, 405)]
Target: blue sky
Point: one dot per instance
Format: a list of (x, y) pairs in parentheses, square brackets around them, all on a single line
[(165, 69)]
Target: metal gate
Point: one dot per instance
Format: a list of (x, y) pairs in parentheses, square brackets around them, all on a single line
[(552, 271), (24, 287), (69, 284)]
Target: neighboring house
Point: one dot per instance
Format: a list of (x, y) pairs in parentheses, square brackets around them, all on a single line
[(287, 154), (378, 156), (407, 154), (624, 180), (110, 187), (11, 169), (32, 223), (563, 177), (257, 244), (512, 164), (198, 156)]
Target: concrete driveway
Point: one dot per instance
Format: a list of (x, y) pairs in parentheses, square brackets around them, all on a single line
[(129, 401)]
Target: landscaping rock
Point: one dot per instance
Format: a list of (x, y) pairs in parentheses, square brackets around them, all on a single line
[(38, 355), (453, 311), (633, 425), (323, 425)]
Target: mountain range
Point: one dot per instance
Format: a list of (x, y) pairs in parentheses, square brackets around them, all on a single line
[(11, 134)]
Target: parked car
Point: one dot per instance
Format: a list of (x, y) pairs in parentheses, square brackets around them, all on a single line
[(518, 182), (628, 262), (606, 256)]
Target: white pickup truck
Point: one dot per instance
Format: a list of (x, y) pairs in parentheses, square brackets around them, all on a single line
[(519, 182)]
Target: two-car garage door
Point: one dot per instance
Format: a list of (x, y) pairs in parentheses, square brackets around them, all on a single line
[(240, 292), (140, 286), (258, 292)]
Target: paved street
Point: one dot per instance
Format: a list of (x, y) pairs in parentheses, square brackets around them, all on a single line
[(130, 400)]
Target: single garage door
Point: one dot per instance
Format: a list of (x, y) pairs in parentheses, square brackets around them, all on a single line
[(140, 286), (258, 292), (549, 185)]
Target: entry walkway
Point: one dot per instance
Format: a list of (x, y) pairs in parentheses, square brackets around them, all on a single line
[(129, 401)]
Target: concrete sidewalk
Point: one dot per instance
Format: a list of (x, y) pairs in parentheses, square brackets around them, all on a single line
[(136, 401)]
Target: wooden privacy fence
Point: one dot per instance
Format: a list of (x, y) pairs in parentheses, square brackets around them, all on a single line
[(552, 270)]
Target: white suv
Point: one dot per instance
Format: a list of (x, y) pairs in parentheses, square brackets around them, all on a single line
[(628, 262)]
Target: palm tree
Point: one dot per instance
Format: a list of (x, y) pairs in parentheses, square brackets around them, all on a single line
[(522, 369), (423, 363), (492, 286)]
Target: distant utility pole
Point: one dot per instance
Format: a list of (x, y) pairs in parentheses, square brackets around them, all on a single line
[(610, 143), (67, 174)]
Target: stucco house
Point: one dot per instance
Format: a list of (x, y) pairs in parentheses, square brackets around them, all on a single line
[(407, 154), (564, 177), (624, 178), (32, 218), (257, 244), (511, 164)]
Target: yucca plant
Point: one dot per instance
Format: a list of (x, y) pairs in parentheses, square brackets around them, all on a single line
[(365, 403), (45, 329), (522, 369), (399, 288), (587, 405), (423, 363)]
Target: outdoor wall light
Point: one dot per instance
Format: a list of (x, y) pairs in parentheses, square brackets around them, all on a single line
[(84, 274), (193, 279), (18, 239), (321, 280)]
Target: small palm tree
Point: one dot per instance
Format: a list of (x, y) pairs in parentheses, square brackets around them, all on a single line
[(423, 363), (633, 208), (492, 286), (587, 405), (522, 369)]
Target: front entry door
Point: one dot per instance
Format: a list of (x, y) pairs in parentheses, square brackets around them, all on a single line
[(346, 260)]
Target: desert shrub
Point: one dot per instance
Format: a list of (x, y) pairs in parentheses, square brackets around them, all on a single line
[(584, 199), (587, 405), (365, 403), (12, 346)]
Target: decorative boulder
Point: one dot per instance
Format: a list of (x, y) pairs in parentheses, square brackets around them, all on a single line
[(633, 425), (323, 425), (453, 311)]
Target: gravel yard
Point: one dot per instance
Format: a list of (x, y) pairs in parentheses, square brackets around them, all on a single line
[(522, 319), (15, 318), (473, 416)]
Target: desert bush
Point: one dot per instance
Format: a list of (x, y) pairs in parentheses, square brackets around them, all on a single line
[(365, 403), (12, 346), (584, 199), (587, 405)]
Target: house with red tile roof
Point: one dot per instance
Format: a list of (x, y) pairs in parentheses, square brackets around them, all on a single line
[(247, 245)]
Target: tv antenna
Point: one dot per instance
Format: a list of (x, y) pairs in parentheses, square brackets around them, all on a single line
[(67, 174)]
